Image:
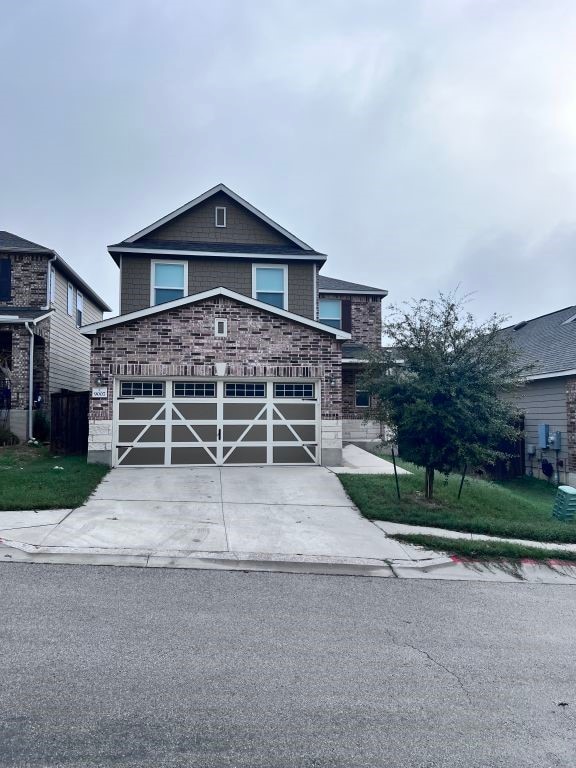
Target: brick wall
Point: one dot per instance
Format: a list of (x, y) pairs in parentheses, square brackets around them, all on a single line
[(366, 315), (29, 276), (181, 341)]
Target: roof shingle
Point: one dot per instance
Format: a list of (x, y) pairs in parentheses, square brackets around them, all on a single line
[(548, 343)]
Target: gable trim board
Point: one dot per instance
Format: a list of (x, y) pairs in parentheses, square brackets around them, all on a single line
[(223, 254), (553, 375), (93, 328), (355, 293), (205, 196)]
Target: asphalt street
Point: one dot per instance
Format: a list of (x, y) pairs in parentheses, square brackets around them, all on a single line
[(131, 667)]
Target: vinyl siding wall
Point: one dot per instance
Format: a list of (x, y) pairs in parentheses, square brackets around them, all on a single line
[(544, 402), (69, 349)]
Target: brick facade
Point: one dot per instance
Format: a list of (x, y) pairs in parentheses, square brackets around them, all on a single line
[(366, 317), (181, 342), (29, 278)]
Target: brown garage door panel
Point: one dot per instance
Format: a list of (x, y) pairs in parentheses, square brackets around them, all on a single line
[(245, 454), (256, 434), (129, 432), (195, 411), (140, 411), (182, 434), (293, 455), (298, 411), (243, 411), (305, 432), (193, 455), (141, 456)]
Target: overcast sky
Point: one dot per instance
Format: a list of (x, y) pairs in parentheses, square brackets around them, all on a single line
[(422, 144)]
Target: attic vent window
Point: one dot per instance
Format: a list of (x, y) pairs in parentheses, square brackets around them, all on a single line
[(220, 327), (220, 216)]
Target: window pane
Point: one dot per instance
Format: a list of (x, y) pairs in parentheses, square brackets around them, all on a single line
[(194, 389), (169, 276), (293, 390), (269, 280), (333, 323), (362, 398), (245, 390), (142, 389), (167, 294), (277, 299), (330, 309)]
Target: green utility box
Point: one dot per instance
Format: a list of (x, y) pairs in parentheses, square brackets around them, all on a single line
[(565, 503)]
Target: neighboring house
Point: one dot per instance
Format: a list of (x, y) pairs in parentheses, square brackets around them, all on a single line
[(548, 345), (43, 302), (230, 347)]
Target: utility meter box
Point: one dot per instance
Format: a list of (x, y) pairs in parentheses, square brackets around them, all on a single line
[(543, 432), (555, 441)]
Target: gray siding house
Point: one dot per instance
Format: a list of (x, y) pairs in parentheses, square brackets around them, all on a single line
[(43, 303), (230, 347), (548, 345)]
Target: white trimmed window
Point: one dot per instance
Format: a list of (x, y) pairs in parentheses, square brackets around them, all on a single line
[(270, 285), (79, 308), (52, 284), (169, 281), (220, 216), (142, 389), (331, 312), (70, 300)]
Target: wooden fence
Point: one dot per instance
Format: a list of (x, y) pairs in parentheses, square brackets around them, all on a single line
[(69, 423)]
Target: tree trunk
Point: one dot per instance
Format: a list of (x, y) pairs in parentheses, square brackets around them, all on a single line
[(429, 482)]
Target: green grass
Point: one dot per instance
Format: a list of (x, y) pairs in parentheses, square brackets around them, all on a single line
[(520, 508), (485, 550), (28, 479)]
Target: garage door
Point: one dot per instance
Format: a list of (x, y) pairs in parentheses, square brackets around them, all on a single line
[(187, 423)]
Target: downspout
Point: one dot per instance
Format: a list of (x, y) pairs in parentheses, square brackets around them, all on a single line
[(30, 380), (51, 261)]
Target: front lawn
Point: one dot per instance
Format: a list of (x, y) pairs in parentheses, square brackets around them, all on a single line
[(491, 551), (29, 480), (520, 508)]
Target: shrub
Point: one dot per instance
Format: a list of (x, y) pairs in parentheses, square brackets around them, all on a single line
[(7, 437)]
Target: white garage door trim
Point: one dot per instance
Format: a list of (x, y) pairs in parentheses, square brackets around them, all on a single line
[(222, 434)]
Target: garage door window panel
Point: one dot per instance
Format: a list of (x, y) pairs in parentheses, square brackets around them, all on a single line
[(194, 389), (241, 389), (294, 390), (142, 389)]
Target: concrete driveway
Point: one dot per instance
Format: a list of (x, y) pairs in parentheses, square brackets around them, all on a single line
[(286, 511)]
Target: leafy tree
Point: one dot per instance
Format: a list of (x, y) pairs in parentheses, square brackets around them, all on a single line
[(440, 385)]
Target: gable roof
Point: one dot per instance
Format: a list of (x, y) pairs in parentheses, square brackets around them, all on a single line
[(548, 343), (204, 196), (11, 243), (333, 285), (90, 330)]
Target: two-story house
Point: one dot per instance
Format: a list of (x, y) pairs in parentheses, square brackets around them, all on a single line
[(43, 303), (230, 346)]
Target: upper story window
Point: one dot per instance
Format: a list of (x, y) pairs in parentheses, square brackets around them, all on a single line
[(79, 308), (220, 216), (52, 284), (70, 300), (5, 279), (330, 312), (270, 285), (169, 281)]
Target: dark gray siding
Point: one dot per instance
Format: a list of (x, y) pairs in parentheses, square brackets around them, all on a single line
[(206, 273), (301, 289), (69, 366), (198, 225), (134, 283)]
